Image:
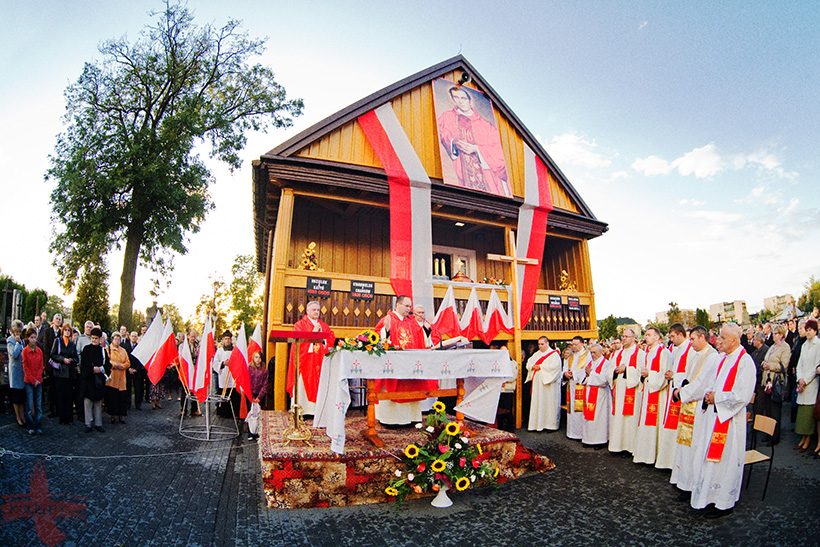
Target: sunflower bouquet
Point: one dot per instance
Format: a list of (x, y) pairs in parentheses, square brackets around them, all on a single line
[(447, 458), (368, 341)]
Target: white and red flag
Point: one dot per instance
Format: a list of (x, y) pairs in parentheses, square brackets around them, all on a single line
[(186, 366), (255, 343), (164, 356), (151, 340), (471, 322), (202, 371), (411, 240), (446, 319), (495, 320), (238, 364), (532, 229)]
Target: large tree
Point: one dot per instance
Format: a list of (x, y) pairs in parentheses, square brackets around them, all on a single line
[(125, 168), (246, 292), (91, 303)]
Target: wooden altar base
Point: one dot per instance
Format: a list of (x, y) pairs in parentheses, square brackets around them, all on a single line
[(299, 476)]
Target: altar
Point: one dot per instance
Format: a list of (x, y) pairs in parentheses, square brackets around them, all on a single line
[(483, 371)]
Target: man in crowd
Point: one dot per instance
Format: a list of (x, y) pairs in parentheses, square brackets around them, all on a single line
[(625, 381), (668, 434), (311, 354), (46, 340), (767, 331), (720, 447), (758, 353), (222, 377), (597, 402), (656, 362), (574, 374), (400, 328), (691, 417), (544, 371)]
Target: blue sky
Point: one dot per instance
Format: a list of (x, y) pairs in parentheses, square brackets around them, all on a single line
[(691, 128)]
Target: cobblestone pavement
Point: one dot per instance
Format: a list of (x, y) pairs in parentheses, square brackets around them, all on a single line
[(142, 484)]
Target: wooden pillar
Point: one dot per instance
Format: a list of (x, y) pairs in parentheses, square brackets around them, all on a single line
[(515, 352), (593, 320), (276, 301)]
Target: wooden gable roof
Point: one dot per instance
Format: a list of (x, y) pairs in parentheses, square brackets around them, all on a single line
[(339, 142)]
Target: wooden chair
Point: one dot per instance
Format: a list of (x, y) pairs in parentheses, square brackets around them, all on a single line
[(766, 425)]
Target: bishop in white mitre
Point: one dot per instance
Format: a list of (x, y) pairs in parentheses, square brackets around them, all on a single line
[(656, 362), (625, 382), (544, 371), (574, 374)]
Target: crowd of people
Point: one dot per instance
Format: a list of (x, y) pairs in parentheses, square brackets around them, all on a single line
[(54, 369), (681, 405)]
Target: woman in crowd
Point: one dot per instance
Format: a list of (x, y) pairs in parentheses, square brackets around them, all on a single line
[(807, 386), (17, 390), (94, 366), (775, 364), (259, 384), (33, 380), (156, 392), (116, 392), (64, 360)]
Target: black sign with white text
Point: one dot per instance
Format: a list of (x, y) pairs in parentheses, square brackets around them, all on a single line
[(555, 302), (574, 303), (318, 286), (362, 290)]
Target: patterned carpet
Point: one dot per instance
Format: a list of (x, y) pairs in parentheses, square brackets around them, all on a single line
[(301, 476)]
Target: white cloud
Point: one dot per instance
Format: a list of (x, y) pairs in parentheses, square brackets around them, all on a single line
[(653, 165), (643, 25), (617, 175), (708, 161), (702, 162), (570, 148), (692, 202)]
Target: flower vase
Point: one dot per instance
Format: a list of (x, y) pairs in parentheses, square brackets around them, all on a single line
[(442, 500)]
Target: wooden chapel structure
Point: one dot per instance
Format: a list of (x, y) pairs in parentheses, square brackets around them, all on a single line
[(328, 186)]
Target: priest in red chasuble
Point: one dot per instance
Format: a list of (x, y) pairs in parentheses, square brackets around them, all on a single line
[(310, 358), (402, 330)]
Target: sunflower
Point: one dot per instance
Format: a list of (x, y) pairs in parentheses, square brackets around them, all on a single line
[(390, 491), (479, 449), (452, 429), (496, 472), (373, 338), (463, 483), (438, 406), (411, 451), (438, 466)]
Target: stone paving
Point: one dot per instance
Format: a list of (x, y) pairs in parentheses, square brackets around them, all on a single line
[(142, 484)]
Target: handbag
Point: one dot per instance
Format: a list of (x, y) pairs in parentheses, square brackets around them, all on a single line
[(778, 388), (253, 419), (54, 364)]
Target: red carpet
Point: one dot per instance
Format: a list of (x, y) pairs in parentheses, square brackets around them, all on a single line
[(299, 476)]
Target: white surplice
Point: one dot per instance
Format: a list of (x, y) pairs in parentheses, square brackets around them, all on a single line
[(623, 429), (720, 482), (704, 364), (668, 438), (646, 439), (575, 419), (545, 408), (596, 431)]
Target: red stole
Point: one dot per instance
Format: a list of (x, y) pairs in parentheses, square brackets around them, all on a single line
[(654, 397), (674, 407), (310, 362), (721, 429), (592, 396), (405, 334), (544, 358), (629, 396), (575, 403)]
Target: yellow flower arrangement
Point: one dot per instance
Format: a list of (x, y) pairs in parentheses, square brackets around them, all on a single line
[(368, 341), (452, 429), (462, 484), (373, 338), (438, 406), (411, 451), (438, 466), (390, 491)]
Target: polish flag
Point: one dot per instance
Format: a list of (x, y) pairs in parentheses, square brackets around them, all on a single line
[(255, 343), (186, 366), (150, 341), (202, 371), (495, 320), (238, 364), (471, 323), (164, 356), (446, 320)]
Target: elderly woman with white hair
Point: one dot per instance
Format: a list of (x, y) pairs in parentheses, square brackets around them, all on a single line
[(807, 382)]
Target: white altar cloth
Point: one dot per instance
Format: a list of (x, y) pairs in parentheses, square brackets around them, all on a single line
[(484, 371)]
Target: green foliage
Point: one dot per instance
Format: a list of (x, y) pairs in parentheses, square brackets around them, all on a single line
[(170, 311), (125, 168), (811, 295), (35, 303), (215, 303), (674, 315), (661, 326), (608, 328), (246, 293), (91, 302), (765, 315), (702, 318)]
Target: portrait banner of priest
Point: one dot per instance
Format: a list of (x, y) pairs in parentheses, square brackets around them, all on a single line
[(470, 145)]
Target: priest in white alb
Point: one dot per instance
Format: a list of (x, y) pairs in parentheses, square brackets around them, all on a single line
[(625, 382), (656, 362), (690, 420), (598, 403), (544, 371), (668, 432), (720, 447), (574, 374)]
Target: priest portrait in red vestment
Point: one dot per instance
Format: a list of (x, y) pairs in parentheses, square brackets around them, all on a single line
[(471, 152), (310, 358), (402, 330)]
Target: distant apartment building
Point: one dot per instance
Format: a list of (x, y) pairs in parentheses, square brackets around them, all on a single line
[(730, 311), (777, 303)]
